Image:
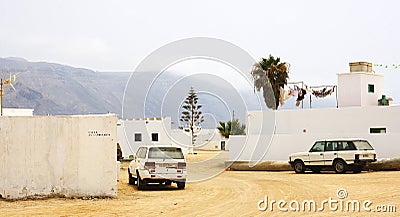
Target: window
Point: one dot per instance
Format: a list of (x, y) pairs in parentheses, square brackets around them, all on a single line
[(154, 137), (318, 147), (331, 146), (138, 137), (162, 153), (345, 145), (371, 88), (141, 153), (377, 130)]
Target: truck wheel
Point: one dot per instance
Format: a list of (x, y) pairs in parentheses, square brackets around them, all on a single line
[(140, 183), (299, 166), (181, 185), (340, 166)]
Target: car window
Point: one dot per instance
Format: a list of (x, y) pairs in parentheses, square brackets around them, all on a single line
[(345, 146), (165, 152), (141, 153), (331, 146), (318, 147), (363, 145)]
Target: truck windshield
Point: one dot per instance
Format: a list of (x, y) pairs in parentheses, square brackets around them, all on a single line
[(363, 145), (165, 152)]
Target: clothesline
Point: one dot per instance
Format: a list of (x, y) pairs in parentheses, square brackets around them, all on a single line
[(319, 91)]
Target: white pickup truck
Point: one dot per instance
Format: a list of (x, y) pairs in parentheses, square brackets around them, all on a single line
[(338, 154), (158, 164)]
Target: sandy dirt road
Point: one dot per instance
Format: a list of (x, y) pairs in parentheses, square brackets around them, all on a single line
[(232, 193)]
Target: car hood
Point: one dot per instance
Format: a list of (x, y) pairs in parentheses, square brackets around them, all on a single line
[(304, 153)]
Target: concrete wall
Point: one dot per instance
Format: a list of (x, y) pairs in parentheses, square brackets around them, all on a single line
[(71, 156), (296, 130), (17, 112)]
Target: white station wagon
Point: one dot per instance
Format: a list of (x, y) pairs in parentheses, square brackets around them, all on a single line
[(158, 164), (339, 154)]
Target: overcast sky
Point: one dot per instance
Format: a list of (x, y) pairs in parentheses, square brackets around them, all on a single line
[(318, 38)]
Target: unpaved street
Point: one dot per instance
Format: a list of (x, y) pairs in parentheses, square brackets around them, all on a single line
[(232, 193)]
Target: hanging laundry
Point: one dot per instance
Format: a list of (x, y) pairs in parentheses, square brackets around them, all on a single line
[(323, 92), (300, 96)]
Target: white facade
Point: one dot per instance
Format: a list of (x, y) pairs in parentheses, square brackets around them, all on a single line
[(208, 139), (72, 156), (274, 135), (354, 88), (17, 112), (297, 130)]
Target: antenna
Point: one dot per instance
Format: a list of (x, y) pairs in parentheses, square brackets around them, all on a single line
[(4, 83)]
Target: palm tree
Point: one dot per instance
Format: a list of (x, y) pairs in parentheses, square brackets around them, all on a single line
[(270, 74), (231, 128), (225, 128)]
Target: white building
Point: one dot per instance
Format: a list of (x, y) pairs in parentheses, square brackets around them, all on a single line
[(274, 135), (146, 131)]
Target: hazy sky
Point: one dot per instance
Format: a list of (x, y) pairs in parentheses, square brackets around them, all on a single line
[(318, 38)]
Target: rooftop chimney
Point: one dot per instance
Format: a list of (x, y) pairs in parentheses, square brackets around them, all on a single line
[(360, 67)]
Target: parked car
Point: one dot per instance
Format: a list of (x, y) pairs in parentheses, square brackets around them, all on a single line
[(340, 155), (158, 164)]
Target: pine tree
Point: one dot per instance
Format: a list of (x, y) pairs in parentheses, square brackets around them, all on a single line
[(191, 115)]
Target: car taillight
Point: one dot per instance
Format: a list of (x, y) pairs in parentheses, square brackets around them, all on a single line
[(150, 165), (181, 165), (357, 157)]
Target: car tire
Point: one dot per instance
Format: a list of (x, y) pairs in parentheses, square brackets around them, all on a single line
[(299, 166), (181, 185), (140, 183), (168, 183), (131, 178), (340, 166)]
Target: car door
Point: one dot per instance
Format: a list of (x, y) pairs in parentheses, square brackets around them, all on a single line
[(330, 152), (316, 154)]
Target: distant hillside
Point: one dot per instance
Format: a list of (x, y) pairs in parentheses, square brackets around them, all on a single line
[(61, 90)]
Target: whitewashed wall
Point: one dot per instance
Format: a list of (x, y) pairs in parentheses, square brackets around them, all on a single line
[(296, 130), (208, 139), (58, 155)]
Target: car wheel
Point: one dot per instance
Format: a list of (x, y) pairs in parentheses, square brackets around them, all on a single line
[(340, 166), (299, 167), (181, 185), (168, 183), (131, 178), (140, 183)]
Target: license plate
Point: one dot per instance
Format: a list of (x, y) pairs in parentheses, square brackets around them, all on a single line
[(167, 165), (365, 155)]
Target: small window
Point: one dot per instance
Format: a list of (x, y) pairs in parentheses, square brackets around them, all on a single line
[(138, 137), (371, 88), (154, 137), (377, 130)]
